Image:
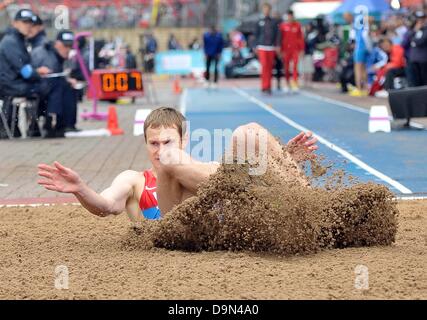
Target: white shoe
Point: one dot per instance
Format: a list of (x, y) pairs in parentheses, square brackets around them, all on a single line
[(382, 94), (206, 85), (286, 89), (214, 86)]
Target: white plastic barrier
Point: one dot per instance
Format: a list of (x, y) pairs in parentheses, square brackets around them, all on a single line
[(379, 119)]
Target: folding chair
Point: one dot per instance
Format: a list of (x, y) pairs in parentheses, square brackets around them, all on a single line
[(20, 109), (5, 105)]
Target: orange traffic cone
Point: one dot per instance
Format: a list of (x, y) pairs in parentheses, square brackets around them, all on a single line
[(177, 87), (113, 122)]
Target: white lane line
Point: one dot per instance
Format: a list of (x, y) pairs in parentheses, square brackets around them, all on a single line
[(410, 198), (336, 102), (327, 143), (183, 102), (37, 205), (349, 106), (3, 185)]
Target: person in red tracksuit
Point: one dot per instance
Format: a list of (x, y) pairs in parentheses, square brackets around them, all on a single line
[(291, 46), (266, 33)]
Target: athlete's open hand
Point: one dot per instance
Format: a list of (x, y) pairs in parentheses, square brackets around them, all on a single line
[(59, 178), (303, 146)]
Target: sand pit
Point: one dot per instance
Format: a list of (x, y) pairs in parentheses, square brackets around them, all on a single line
[(103, 263), (242, 237)]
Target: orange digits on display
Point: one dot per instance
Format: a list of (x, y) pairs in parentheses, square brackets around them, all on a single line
[(122, 82), (108, 84), (138, 80)]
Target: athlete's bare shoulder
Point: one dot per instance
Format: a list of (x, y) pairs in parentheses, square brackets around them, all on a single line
[(131, 178)]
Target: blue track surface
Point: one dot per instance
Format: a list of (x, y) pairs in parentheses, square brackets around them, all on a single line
[(400, 155)]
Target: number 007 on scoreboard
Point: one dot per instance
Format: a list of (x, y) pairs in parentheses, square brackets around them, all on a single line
[(113, 84)]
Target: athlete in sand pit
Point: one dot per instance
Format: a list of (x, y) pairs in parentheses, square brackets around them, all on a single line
[(173, 178)]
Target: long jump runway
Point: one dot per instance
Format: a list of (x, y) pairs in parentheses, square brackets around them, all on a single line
[(397, 159)]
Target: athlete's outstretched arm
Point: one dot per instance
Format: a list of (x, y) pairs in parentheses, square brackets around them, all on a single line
[(111, 201)]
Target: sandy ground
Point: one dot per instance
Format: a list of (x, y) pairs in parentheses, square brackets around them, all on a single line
[(34, 241)]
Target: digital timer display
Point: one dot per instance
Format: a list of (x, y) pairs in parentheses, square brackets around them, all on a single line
[(121, 82)]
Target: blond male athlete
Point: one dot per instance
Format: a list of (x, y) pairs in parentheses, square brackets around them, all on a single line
[(173, 178)]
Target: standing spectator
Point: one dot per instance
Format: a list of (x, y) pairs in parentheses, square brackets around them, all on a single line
[(149, 52), (346, 75), (37, 36), (267, 32), (173, 43), (130, 59), (213, 45), (361, 54), (311, 41), (278, 62), (418, 54), (406, 44), (291, 46)]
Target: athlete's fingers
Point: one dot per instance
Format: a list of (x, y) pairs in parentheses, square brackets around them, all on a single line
[(313, 148), (303, 140), (45, 182), (60, 167), (51, 188), (311, 142), (297, 138), (45, 174), (46, 167)]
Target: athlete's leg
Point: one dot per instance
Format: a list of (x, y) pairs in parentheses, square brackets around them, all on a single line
[(253, 142)]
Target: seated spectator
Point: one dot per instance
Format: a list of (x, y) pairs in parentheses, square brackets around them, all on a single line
[(61, 108), (395, 67), (18, 78), (173, 43), (195, 45), (237, 60), (376, 60), (37, 36)]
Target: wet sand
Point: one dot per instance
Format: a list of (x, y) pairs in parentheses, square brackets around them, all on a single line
[(103, 265)]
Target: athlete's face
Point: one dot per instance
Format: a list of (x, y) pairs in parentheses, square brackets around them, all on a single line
[(160, 138)]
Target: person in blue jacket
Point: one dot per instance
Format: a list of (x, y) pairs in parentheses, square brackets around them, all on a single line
[(18, 78), (58, 93), (213, 45), (38, 35)]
